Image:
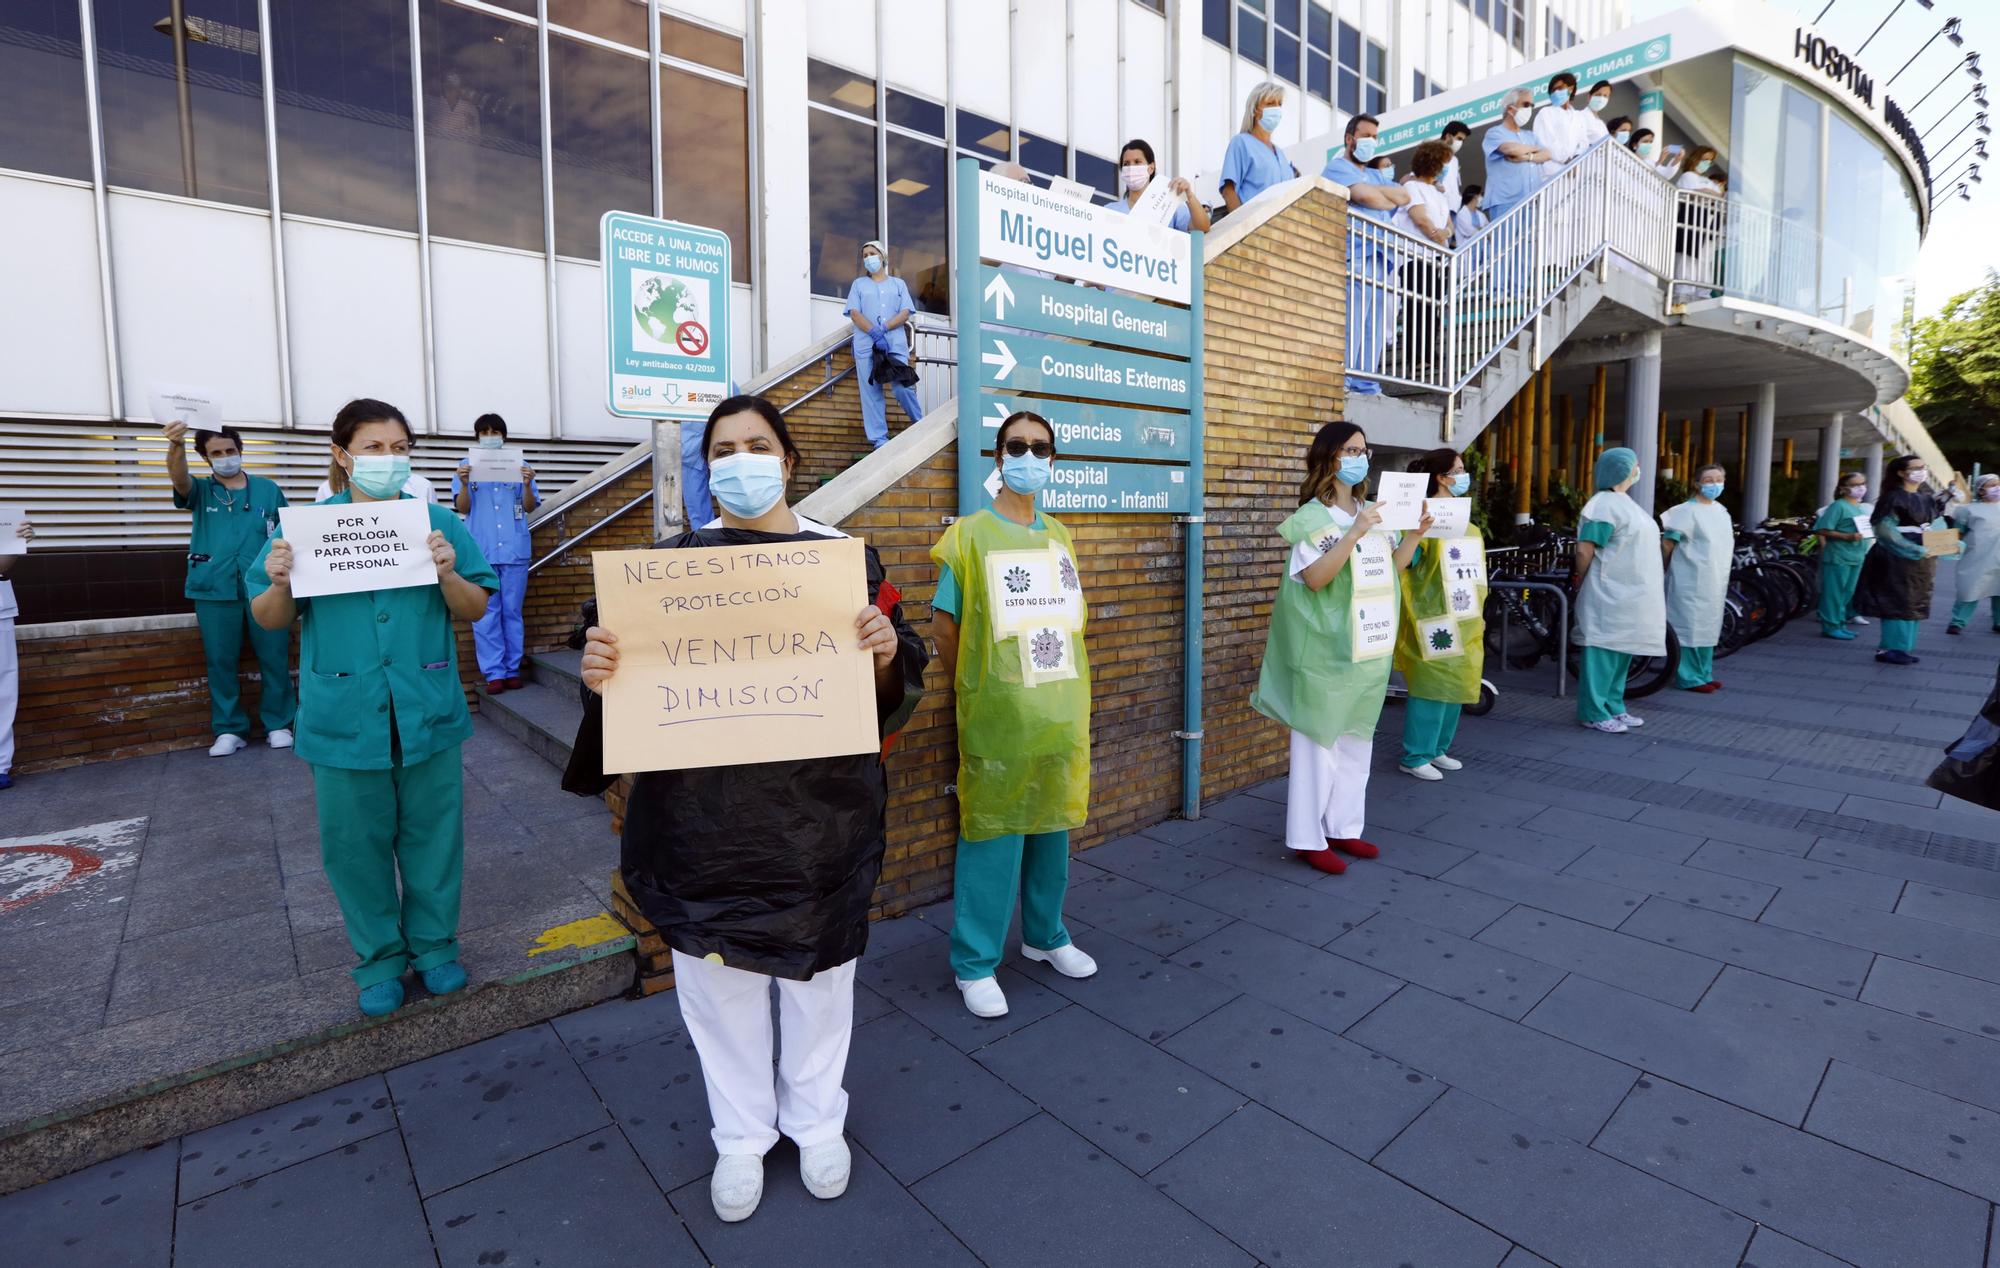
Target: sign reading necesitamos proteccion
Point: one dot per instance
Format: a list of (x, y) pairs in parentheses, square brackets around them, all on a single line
[(666, 316)]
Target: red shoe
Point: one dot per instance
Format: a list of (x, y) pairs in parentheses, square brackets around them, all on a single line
[(1706, 688), (1356, 846), (1323, 860), (514, 683), (495, 686)]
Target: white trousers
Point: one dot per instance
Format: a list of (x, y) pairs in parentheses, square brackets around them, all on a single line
[(728, 1015), (10, 691), (1327, 795)]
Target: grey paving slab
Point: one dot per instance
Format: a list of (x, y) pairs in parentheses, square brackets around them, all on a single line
[(171, 970), (1769, 830), (1165, 867), (1919, 1130), (1950, 999), (117, 1214), (1773, 789), (1421, 856), (37, 1021), (1949, 907), (1411, 896), (1639, 837), (1645, 968), (1800, 875), (618, 1023), (1715, 891), (1827, 1196), (851, 1231), (919, 982), (887, 937), (258, 1144), (1772, 1249), (587, 1202), (1133, 988), (1283, 1215), (654, 1091), (1392, 804), (1566, 1088), (916, 1103), (1797, 957), (1573, 896), (360, 1194), (1127, 1097), (1912, 867), (1905, 937), (1328, 990), (481, 1107), (1523, 1181), (1142, 915), (1845, 783), (1473, 973), (1309, 914), (1293, 1066), (1640, 765), (164, 901), (1519, 1257), (1518, 844), (1744, 1064), (1087, 1208)]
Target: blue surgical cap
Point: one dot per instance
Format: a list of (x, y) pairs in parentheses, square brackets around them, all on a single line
[(1616, 467)]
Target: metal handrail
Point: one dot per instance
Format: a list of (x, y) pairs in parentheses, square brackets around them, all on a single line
[(1562, 628)]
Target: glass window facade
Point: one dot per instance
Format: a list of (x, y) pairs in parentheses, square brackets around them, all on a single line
[(705, 157), (919, 232), (183, 110), (842, 212), (482, 127), (346, 144), (600, 138), (47, 126), (620, 20)]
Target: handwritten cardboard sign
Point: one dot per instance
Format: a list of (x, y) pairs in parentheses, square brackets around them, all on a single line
[(495, 466), (11, 520), (1373, 562), (736, 654), (346, 548), (1400, 498)]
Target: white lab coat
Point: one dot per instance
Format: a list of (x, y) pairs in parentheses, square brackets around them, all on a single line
[(1564, 133), (1979, 566), (1448, 182), (1622, 606), (1698, 573)]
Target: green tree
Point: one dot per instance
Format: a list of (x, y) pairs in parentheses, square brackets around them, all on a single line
[(1955, 375)]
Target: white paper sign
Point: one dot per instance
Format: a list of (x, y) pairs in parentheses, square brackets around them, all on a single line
[(1028, 226), (1373, 620), (1464, 560), (495, 466), (1070, 191), (11, 519), (1438, 638), (1156, 203), (349, 548), (1450, 517), (1399, 495), (1029, 589), (1373, 564), (175, 402)]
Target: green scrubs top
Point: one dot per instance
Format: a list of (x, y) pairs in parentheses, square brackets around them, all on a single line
[(382, 663), (231, 526), (1841, 517)]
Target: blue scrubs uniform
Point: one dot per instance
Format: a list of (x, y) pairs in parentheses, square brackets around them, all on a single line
[(500, 525), (1368, 313), (879, 301), (1507, 183), (1254, 166)]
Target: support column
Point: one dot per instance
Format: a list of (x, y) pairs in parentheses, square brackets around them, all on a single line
[(1642, 417), (1871, 466), (1829, 458), (1757, 463)]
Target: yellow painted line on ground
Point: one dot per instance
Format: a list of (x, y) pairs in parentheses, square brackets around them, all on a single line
[(587, 932)]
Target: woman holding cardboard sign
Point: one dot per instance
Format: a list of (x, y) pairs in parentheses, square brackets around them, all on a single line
[(1897, 575), (381, 718), (1327, 657), (1441, 642), (762, 871)]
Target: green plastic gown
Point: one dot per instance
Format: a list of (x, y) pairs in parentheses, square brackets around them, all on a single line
[(1452, 679), (1310, 680)]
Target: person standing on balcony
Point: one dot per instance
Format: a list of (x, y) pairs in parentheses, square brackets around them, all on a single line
[(1441, 636), (381, 721), (1514, 155), (880, 307), (1594, 127), (1700, 545), (1897, 576), (1371, 195), (497, 513), (1699, 221), (10, 663), (1563, 127), (1978, 524), (235, 515), (1468, 222), (1843, 537), (1453, 136), (1621, 610), (1137, 169), (1254, 162), (1023, 690)]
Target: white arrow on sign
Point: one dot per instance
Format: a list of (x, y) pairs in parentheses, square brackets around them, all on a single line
[(1000, 415), (1001, 294), (1003, 359)]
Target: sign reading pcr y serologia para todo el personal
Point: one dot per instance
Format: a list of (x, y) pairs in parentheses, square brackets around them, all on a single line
[(346, 548)]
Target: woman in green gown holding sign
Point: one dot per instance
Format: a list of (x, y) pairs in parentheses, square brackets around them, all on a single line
[(1008, 618), (1326, 660), (1441, 642)]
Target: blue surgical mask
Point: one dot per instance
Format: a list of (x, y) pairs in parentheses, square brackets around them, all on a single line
[(1363, 148), (747, 484), (873, 263), (1270, 118), (1560, 97), (228, 468), (492, 440), (1622, 138), (1027, 473), (1460, 484), (1353, 470), (1703, 166), (1712, 490), (1598, 103), (380, 475), (1644, 149)]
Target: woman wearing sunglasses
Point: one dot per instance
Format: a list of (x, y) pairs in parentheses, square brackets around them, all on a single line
[(1008, 619)]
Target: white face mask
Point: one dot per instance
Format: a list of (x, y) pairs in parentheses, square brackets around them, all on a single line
[(1916, 475), (1456, 142), (1136, 176), (1523, 116)]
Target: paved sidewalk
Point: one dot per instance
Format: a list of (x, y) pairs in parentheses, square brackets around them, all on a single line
[(1722, 992)]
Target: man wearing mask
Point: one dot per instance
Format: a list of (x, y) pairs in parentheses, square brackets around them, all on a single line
[(1374, 195), (496, 511), (879, 305), (235, 513), (1514, 155), (1563, 129), (1454, 135)]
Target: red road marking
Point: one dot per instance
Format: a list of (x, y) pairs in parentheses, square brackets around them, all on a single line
[(82, 863)]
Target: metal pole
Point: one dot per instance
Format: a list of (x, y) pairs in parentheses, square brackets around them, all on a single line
[(551, 326), (1919, 53), (951, 144), (1926, 133), (653, 105), (1878, 29), (424, 310), (1192, 607), (177, 15), (100, 210), (1934, 87), (882, 141), (279, 303)]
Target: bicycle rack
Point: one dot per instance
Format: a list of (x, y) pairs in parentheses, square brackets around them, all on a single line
[(1562, 632)]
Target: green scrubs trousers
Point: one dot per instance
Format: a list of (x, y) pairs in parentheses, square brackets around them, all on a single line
[(1428, 729), (1836, 594), (375, 824), (223, 622), (1962, 613), (1898, 636), (1696, 668), (985, 879), (1600, 695)]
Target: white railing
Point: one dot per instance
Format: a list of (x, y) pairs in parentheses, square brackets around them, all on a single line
[(1730, 248)]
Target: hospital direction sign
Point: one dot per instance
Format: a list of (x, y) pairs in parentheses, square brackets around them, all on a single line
[(1031, 228)]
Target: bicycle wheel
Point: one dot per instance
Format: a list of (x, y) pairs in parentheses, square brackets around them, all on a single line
[(1650, 673), (1484, 705)]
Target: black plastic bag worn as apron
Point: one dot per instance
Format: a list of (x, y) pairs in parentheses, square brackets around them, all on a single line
[(1970, 770), (1893, 588), (771, 866)]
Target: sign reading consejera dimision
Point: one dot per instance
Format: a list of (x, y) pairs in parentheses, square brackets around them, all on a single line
[(1092, 319)]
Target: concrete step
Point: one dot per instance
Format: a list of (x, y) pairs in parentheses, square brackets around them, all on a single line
[(562, 668), (543, 715)]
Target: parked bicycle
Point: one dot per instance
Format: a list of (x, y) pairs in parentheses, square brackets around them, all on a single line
[(1523, 624)]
